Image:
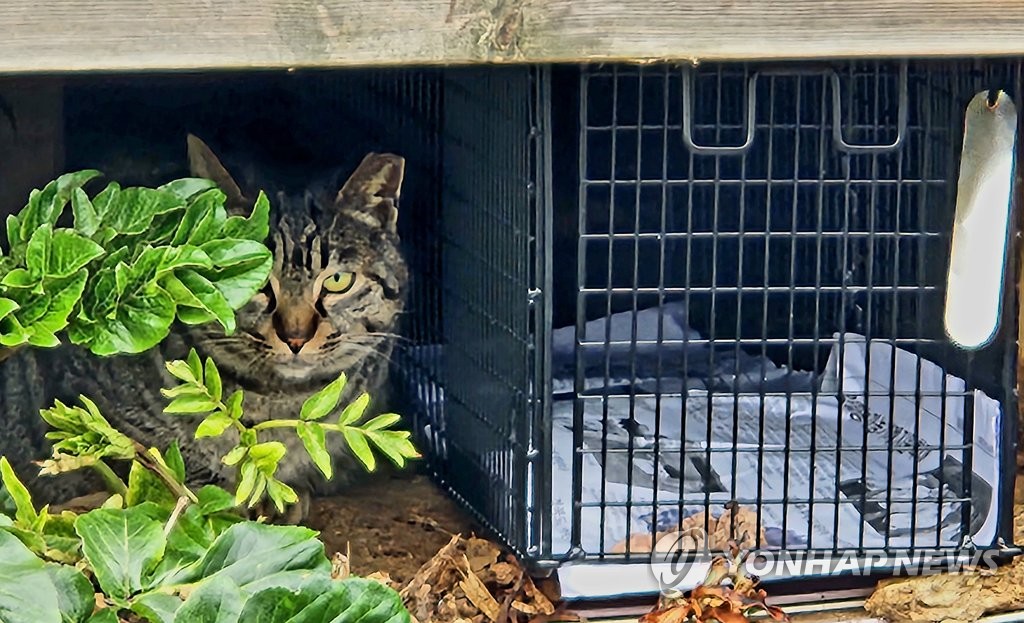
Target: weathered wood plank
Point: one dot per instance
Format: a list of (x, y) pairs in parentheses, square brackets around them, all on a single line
[(83, 35)]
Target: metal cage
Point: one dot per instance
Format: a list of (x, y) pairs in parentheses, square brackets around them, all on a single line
[(671, 291)]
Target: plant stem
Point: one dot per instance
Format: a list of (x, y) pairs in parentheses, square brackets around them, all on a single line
[(113, 482), (179, 490), (290, 424)]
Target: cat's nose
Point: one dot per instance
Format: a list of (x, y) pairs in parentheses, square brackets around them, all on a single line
[(295, 329), (295, 344)]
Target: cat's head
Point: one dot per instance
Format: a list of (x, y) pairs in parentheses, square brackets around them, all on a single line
[(336, 289)]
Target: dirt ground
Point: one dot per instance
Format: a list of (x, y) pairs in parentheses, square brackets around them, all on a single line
[(394, 524)]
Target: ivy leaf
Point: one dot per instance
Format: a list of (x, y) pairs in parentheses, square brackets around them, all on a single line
[(121, 546), (256, 227), (357, 443), (27, 594), (313, 438), (320, 404)]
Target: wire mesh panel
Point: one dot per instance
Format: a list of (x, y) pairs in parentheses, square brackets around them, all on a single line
[(479, 422), (757, 350)]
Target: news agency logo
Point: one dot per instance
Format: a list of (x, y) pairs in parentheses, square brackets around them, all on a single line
[(681, 560)]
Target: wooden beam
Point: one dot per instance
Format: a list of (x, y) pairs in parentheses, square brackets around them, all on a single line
[(129, 35)]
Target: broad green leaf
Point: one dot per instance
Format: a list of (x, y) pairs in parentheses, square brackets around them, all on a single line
[(192, 290), (75, 593), (27, 594), (357, 443), (320, 404), (213, 382), (141, 322), (106, 198), (156, 607), (354, 599), (56, 306), (203, 219), (213, 499), (120, 545), (14, 238), (44, 207), (176, 258), (70, 251), (107, 615), (87, 221), (313, 438), (145, 486), (354, 410), (187, 187), (214, 425), (218, 600), (233, 252), (175, 461), (7, 306), (275, 605), (11, 332), (249, 551), (20, 278), (37, 254), (131, 210), (26, 513), (255, 227), (240, 283)]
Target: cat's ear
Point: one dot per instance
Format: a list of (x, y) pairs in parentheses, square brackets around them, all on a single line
[(374, 188), (203, 163)]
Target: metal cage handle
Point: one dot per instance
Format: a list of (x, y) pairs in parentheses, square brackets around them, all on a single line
[(837, 132)]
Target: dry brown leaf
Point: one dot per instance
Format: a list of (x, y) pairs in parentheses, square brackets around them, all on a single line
[(537, 597), (382, 577), (340, 566), (505, 573), (477, 593), (480, 553)]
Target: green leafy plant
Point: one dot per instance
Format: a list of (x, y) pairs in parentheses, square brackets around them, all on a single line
[(133, 262), (200, 392), (130, 262)]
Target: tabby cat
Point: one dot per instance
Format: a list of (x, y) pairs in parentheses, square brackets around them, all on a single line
[(331, 306)]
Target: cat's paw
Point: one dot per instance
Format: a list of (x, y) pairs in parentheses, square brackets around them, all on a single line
[(294, 514)]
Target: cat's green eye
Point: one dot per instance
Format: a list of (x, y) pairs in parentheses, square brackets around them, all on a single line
[(339, 282)]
